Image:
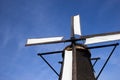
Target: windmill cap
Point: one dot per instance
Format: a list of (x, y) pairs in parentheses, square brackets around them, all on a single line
[(79, 47)]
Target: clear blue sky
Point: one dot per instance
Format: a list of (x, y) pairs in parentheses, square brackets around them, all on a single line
[(22, 19)]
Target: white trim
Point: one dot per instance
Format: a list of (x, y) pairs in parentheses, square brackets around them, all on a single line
[(67, 66)]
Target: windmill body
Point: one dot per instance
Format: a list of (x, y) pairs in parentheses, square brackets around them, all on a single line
[(84, 69), (76, 64)]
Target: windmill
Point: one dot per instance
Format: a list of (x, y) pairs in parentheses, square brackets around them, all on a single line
[(76, 64)]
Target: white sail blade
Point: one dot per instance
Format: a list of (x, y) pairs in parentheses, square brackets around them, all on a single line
[(76, 25), (42, 40), (67, 66), (103, 38)]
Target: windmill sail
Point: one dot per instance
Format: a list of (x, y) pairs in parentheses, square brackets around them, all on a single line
[(37, 41), (67, 67), (76, 25), (103, 38)]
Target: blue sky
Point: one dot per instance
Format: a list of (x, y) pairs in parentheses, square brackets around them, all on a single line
[(22, 19)]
